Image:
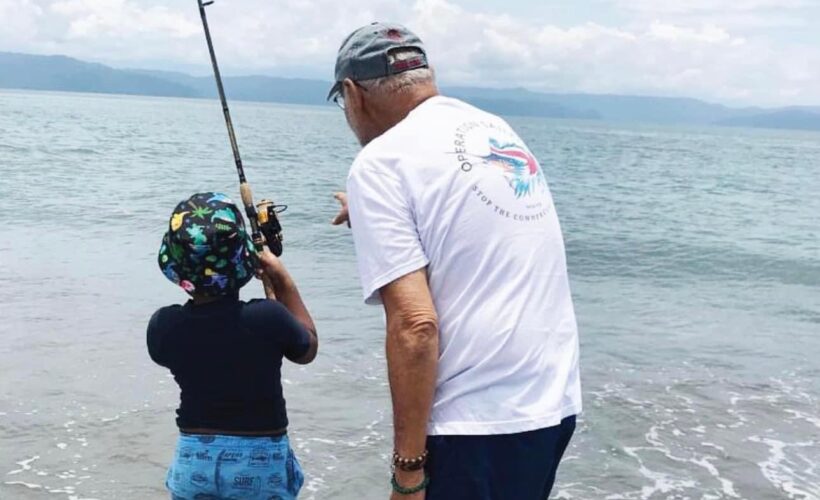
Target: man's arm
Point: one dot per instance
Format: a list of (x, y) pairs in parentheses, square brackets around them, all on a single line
[(412, 363)]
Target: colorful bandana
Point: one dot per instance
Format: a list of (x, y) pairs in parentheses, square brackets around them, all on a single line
[(206, 250)]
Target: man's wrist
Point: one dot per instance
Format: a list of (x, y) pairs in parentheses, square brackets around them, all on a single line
[(409, 478), (416, 461), (409, 482)]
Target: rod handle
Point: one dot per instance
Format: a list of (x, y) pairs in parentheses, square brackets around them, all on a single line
[(246, 194)]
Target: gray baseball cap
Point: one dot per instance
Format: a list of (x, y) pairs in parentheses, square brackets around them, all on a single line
[(363, 54)]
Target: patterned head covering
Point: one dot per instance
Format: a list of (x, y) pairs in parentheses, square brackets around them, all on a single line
[(206, 250)]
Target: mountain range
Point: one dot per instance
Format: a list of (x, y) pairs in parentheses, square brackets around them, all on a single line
[(61, 73)]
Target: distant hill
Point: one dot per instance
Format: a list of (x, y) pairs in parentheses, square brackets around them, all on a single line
[(252, 88), (60, 73), (789, 118), (21, 71), (612, 107)]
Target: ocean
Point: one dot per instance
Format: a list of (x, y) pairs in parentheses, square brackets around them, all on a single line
[(694, 256)]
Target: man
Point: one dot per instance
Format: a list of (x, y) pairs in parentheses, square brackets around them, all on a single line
[(456, 235)]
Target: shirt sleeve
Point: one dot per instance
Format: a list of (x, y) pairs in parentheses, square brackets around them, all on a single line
[(278, 326), (154, 337), (384, 228)]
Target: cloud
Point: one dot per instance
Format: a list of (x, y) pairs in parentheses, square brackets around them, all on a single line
[(711, 6), (734, 14), (707, 34), (22, 31), (662, 58), (714, 49), (92, 19)]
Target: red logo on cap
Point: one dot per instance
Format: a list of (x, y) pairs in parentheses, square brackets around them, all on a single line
[(394, 34)]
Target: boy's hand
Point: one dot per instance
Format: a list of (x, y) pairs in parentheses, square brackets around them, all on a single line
[(272, 267)]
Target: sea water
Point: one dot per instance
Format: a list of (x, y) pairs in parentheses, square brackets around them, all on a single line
[(694, 256)]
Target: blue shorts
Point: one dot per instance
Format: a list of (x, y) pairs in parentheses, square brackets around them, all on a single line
[(499, 467), (210, 467)]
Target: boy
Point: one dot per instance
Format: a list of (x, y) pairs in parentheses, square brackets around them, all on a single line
[(226, 356)]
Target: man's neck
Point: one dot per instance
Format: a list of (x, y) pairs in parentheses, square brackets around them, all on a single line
[(403, 105)]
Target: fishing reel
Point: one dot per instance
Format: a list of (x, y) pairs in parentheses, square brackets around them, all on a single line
[(267, 214)]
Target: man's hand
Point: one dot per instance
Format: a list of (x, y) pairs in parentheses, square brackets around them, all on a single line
[(408, 480), (343, 216)]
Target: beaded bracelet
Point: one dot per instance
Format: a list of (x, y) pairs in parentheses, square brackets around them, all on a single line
[(409, 464), (401, 490)]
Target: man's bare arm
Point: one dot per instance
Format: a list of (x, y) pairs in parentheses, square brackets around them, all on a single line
[(412, 363)]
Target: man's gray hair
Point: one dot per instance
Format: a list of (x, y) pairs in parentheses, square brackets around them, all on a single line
[(401, 82)]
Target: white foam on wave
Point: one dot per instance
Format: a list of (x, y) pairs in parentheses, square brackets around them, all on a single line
[(323, 441), (30, 486), (25, 465), (69, 490), (662, 483), (790, 388), (726, 486), (315, 484), (815, 421), (713, 445), (780, 471)]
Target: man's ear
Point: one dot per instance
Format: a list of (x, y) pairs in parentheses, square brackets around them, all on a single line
[(352, 94)]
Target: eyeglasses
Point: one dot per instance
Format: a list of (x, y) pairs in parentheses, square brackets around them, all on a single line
[(339, 98)]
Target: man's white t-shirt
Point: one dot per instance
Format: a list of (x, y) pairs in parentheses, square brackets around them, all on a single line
[(454, 188)]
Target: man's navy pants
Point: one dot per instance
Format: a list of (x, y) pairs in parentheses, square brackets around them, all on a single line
[(498, 467)]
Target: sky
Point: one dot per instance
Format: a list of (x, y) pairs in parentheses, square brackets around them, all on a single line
[(737, 52)]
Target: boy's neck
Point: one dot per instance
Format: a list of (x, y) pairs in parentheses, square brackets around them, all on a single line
[(199, 300)]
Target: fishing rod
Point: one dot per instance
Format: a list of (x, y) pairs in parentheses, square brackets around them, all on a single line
[(263, 218)]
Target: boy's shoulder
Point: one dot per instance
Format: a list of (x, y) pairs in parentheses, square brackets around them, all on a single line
[(253, 312), (260, 305), (162, 321), (164, 316), (262, 311)]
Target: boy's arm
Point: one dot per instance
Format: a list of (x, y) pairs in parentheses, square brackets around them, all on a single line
[(280, 284), (153, 340)]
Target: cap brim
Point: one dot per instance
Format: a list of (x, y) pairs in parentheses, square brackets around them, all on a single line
[(337, 88)]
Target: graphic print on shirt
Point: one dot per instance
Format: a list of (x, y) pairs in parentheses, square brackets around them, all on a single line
[(506, 177), (519, 166)]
